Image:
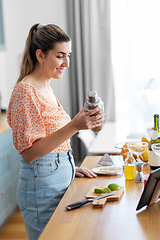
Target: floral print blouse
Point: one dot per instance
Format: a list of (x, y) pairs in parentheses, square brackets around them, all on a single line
[(32, 116)]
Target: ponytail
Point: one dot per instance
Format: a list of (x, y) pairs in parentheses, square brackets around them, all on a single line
[(27, 64), (43, 37)]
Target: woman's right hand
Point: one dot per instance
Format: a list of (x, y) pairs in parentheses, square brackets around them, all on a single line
[(87, 120)]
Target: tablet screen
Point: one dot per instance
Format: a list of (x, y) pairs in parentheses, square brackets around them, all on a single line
[(151, 190)]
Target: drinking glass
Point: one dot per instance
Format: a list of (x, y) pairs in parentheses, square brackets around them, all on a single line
[(137, 148)]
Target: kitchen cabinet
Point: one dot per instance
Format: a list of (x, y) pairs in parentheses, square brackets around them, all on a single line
[(9, 174)]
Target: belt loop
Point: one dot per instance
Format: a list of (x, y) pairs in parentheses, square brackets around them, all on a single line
[(69, 152), (58, 158)]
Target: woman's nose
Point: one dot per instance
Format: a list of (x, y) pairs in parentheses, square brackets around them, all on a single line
[(66, 62)]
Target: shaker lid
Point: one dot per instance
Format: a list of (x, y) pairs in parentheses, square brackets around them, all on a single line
[(92, 96)]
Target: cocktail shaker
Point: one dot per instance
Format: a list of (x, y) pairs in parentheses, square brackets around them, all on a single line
[(93, 101)]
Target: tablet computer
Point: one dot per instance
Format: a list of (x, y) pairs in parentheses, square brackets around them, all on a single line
[(151, 191)]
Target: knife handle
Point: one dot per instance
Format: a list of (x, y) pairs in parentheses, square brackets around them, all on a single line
[(78, 204)]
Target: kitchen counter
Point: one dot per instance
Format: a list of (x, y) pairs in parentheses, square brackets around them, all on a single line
[(116, 220), (3, 123)]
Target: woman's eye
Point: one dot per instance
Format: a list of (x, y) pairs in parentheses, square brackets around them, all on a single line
[(59, 56)]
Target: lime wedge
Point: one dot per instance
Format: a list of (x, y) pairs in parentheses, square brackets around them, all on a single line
[(114, 186), (98, 190), (107, 189)]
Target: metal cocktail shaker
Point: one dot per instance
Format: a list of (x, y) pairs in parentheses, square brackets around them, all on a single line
[(93, 101)]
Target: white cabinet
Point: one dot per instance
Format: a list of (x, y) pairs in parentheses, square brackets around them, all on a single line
[(9, 174)]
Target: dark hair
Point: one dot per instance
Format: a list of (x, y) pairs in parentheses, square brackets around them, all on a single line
[(43, 37)]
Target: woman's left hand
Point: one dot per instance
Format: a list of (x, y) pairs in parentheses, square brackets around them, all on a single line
[(82, 172)]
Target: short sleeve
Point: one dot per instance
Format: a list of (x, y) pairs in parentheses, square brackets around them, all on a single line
[(24, 117)]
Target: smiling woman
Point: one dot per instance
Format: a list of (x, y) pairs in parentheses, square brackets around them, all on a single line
[(42, 129)]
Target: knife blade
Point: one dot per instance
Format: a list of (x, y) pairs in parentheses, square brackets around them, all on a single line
[(81, 203)]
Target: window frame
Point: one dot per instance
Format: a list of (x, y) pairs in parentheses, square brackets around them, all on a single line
[(2, 37)]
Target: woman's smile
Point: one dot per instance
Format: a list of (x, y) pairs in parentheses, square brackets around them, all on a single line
[(60, 70)]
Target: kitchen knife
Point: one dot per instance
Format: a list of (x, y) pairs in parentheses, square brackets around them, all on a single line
[(81, 203)]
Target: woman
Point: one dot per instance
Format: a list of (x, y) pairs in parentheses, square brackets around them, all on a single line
[(42, 129)]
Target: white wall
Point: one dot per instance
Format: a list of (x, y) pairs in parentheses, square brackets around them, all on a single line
[(19, 16)]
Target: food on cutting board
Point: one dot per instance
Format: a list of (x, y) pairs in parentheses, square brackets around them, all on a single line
[(114, 186), (144, 156), (109, 188), (98, 190)]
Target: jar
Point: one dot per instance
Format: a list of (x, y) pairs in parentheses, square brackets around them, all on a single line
[(130, 167)]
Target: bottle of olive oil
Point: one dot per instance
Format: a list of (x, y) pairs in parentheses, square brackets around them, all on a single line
[(155, 135), (153, 158)]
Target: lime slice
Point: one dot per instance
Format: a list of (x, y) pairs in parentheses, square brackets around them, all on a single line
[(107, 189), (98, 190), (114, 186)]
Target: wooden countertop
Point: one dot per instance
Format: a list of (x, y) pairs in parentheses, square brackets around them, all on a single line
[(3, 123), (116, 220)]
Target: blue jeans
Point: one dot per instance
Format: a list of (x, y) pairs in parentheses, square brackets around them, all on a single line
[(41, 186)]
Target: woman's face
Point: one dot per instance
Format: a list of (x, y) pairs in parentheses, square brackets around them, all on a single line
[(57, 60)]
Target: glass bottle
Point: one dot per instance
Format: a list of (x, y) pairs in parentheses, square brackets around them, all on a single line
[(130, 167), (154, 160), (155, 135)]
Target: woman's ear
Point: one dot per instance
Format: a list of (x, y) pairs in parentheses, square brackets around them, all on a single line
[(40, 56)]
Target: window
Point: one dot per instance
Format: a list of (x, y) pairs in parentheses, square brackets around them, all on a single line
[(2, 41), (136, 61)]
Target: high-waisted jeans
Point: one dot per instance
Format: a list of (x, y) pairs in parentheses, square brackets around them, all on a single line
[(41, 186)]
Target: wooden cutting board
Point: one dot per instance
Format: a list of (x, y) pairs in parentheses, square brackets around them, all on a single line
[(100, 203)]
